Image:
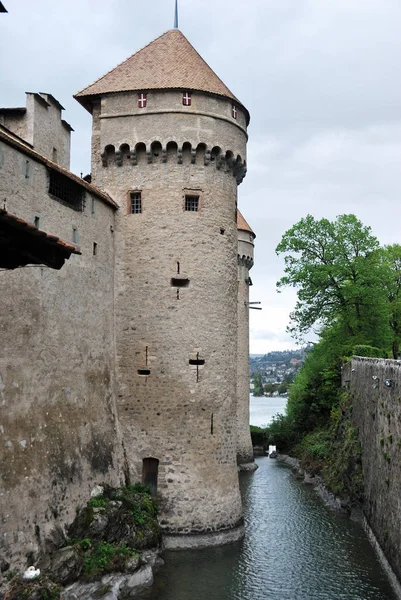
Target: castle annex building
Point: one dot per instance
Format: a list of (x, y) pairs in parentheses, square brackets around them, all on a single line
[(128, 360)]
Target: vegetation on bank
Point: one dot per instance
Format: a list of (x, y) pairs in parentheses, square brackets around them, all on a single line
[(349, 293), (107, 536)]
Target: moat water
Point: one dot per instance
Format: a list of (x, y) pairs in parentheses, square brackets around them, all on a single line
[(295, 548)]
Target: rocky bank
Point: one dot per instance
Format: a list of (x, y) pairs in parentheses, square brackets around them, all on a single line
[(109, 552)]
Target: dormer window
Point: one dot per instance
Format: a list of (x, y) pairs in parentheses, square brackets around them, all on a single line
[(142, 100), (186, 99), (234, 111)]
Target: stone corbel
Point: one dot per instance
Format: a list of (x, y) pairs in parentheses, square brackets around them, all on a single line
[(230, 164), (220, 162), (119, 158)]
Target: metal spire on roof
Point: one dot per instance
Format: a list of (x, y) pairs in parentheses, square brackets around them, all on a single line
[(176, 15)]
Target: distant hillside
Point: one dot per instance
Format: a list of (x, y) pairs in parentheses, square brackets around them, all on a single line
[(274, 368), (259, 362)]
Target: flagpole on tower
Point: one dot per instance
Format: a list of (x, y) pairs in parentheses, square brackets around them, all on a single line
[(176, 15)]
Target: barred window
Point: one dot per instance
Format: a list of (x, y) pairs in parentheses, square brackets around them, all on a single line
[(66, 191), (136, 202), (192, 203)]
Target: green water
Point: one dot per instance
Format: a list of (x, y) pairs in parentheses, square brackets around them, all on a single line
[(295, 548)]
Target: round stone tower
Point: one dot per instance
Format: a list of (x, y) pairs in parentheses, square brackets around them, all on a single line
[(169, 145), (245, 263)]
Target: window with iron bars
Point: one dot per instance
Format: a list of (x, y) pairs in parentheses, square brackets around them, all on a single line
[(66, 191), (192, 203), (136, 202)]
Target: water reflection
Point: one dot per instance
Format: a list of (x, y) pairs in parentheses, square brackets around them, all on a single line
[(295, 549)]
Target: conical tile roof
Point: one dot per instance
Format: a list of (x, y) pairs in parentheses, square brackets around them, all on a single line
[(242, 224), (169, 62)]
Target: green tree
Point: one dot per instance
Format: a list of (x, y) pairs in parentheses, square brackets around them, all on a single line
[(283, 387), (316, 386), (257, 384), (270, 388), (391, 257), (337, 270), (349, 291)]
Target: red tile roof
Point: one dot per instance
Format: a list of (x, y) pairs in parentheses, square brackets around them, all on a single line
[(242, 224), (168, 62)]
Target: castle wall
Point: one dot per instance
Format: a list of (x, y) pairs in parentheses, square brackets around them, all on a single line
[(182, 414), (245, 262), (15, 122), (45, 130), (59, 434), (375, 388), (41, 126)]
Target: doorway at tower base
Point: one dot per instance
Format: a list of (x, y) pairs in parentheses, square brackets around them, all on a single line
[(203, 540)]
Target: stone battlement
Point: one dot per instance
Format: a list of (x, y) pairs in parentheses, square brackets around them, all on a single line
[(171, 152)]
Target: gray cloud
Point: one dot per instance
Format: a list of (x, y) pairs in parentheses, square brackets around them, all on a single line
[(319, 78)]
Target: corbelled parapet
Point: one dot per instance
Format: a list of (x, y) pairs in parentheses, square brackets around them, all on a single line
[(172, 152)]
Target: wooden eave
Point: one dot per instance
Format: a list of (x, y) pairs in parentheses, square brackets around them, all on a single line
[(22, 244)]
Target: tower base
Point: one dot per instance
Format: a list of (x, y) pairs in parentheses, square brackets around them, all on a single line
[(248, 467), (202, 540)]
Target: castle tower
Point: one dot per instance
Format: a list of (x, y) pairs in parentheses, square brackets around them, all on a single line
[(245, 263), (169, 145)]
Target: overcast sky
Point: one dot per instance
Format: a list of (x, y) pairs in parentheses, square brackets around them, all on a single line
[(321, 79)]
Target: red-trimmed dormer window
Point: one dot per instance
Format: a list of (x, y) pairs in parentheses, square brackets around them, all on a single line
[(186, 99), (234, 111), (142, 100)]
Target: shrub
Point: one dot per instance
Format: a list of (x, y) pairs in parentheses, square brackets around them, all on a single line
[(369, 351), (258, 436), (103, 557), (98, 502)]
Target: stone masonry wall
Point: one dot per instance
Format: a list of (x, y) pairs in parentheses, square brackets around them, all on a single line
[(45, 130), (375, 388), (245, 262), (41, 125), (59, 434), (120, 124), (182, 414)]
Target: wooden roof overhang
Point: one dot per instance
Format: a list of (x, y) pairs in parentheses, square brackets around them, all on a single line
[(21, 244)]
